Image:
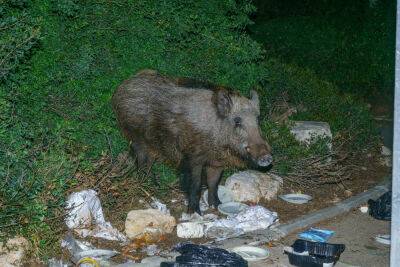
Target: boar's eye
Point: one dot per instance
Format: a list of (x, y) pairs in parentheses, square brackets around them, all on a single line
[(238, 121)]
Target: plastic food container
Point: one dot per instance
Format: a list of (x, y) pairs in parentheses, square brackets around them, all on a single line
[(251, 253), (318, 248), (296, 198), (305, 253), (231, 208)]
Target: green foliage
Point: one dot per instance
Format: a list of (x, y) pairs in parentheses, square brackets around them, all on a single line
[(348, 43), (19, 34), (55, 112), (319, 100), (67, 8)]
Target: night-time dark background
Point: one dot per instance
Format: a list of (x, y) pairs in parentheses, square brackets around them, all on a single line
[(60, 62)]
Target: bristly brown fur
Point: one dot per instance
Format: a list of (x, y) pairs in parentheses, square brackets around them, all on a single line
[(186, 123)]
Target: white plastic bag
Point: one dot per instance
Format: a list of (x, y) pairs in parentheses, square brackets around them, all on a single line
[(84, 211)]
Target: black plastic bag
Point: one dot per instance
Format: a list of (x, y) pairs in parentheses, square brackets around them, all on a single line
[(199, 255), (381, 209)]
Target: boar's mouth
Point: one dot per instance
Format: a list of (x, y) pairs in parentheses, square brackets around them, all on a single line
[(259, 155), (264, 161)]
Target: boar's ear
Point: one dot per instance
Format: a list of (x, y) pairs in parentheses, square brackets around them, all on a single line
[(222, 102), (254, 99)]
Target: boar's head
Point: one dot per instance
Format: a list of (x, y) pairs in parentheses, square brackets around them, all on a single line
[(240, 115)]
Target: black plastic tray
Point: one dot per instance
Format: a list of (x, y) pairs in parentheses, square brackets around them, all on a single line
[(308, 261), (318, 248)]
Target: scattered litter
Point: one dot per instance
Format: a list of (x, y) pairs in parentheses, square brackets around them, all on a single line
[(158, 205), (224, 195), (296, 198), (232, 208), (88, 262), (148, 221), (190, 230), (84, 211), (195, 217), (151, 250), (317, 235), (80, 250), (251, 219), (383, 239), (56, 263), (192, 255), (364, 209), (306, 260), (153, 261), (305, 253), (251, 253), (381, 209), (318, 248), (221, 233)]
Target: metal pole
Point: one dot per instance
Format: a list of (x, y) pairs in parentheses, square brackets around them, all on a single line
[(395, 233)]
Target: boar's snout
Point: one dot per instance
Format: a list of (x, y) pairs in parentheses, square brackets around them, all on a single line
[(260, 154), (265, 161)]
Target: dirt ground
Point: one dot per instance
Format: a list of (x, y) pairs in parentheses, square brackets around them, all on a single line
[(117, 203)]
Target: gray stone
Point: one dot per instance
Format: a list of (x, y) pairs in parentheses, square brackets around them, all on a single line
[(12, 252), (252, 186), (308, 131), (139, 222)]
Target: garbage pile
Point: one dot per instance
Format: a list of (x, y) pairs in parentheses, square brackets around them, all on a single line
[(144, 228)]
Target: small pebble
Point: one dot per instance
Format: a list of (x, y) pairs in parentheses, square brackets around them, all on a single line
[(364, 209), (348, 193)]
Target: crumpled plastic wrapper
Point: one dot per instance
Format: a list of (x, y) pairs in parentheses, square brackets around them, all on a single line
[(85, 216)]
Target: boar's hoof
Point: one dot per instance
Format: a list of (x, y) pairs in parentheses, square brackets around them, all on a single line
[(214, 203), (192, 210)]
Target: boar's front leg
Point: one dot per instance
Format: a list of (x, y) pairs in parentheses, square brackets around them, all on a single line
[(213, 178), (192, 170)]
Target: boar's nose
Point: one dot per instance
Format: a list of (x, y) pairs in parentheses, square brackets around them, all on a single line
[(265, 161)]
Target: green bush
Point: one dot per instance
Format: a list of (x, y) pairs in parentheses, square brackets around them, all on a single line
[(348, 43), (55, 113), (19, 35)]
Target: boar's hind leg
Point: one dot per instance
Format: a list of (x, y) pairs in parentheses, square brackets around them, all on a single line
[(213, 178), (192, 171), (143, 160)]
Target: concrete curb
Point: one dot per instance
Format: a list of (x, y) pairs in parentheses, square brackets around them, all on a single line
[(280, 231), (330, 212)]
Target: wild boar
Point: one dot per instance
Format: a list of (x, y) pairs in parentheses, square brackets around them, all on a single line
[(198, 130)]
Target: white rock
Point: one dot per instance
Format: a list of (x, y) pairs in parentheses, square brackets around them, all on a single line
[(269, 185), (13, 252), (139, 222), (190, 230), (385, 151), (307, 131), (252, 186)]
